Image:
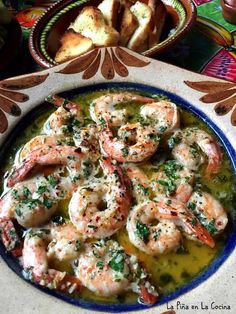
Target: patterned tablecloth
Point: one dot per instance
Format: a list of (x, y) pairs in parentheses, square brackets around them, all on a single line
[(209, 48)]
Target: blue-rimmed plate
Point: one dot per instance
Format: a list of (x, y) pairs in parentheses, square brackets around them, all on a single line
[(104, 68)]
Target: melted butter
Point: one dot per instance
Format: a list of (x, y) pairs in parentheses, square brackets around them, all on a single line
[(169, 271)]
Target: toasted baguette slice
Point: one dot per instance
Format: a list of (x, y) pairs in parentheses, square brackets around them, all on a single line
[(91, 23), (139, 40), (109, 9), (159, 14), (73, 45), (129, 24)]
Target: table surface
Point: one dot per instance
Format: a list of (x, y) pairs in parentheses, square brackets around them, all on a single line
[(209, 48)]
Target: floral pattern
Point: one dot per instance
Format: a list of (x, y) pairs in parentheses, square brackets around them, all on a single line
[(221, 93), (115, 61), (9, 97)]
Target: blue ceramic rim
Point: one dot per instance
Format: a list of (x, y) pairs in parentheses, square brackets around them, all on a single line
[(205, 274)]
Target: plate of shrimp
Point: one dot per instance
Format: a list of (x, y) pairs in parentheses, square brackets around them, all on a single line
[(116, 196)]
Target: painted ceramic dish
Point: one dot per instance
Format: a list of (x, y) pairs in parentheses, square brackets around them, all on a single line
[(209, 99), (45, 37)]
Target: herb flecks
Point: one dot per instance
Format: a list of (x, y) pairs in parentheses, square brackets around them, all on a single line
[(142, 231)]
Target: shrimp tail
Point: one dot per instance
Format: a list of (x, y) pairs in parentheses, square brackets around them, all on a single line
[(10, 237), (20, 172), (147, 297), (53, 155), (124, 179), (202, 234), (214, 161), (70, 284), (61, 102)]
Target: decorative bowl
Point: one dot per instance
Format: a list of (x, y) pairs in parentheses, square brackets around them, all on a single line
[(214, 288), (45, 36)]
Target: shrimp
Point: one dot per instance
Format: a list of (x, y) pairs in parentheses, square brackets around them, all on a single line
[(141, 143), (209, 211), (152, 226), (31, 202), (173, 180), (36, 259), (10, 238), (70, 156), (86, 206), (104, 107), (65, 118), (186, 149), (139, 182), (163, 115), (40, 140), (65, 242), (105, 269)]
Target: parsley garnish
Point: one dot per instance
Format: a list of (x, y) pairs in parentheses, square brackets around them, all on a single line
[(117, 262), (100, 264), (142, 231)]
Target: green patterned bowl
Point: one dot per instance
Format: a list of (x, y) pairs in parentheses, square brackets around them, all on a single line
[(45, 36)]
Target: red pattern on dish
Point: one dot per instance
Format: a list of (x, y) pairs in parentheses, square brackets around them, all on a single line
[(222, 65)]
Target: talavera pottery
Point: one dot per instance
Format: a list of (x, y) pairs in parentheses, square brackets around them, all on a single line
[(45, 36), (210, 99)]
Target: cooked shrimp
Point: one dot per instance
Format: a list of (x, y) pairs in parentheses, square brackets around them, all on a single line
[(9, 237), (65, 118), (163, 115), (113, 194), (65, 242), (153, 227), (70, 156), (40, 140), (172, 180), (107, 270), (209, 211), (36, 260), (31, 202), (186, 151), (139, 182), (140, 143), (104, 107)]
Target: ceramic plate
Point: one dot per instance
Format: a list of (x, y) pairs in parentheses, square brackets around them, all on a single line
[(212, 100)]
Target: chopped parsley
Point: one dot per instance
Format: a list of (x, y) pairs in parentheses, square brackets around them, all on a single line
[(168, 184), (52, 181), (77, 245), (48, 203), (26, 191), (125, 151), (191, 206), (58, 220), (41, 189), (100, 265), (117, 262), (210, 226), (173, 141), (92, 227), (142, 231)]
